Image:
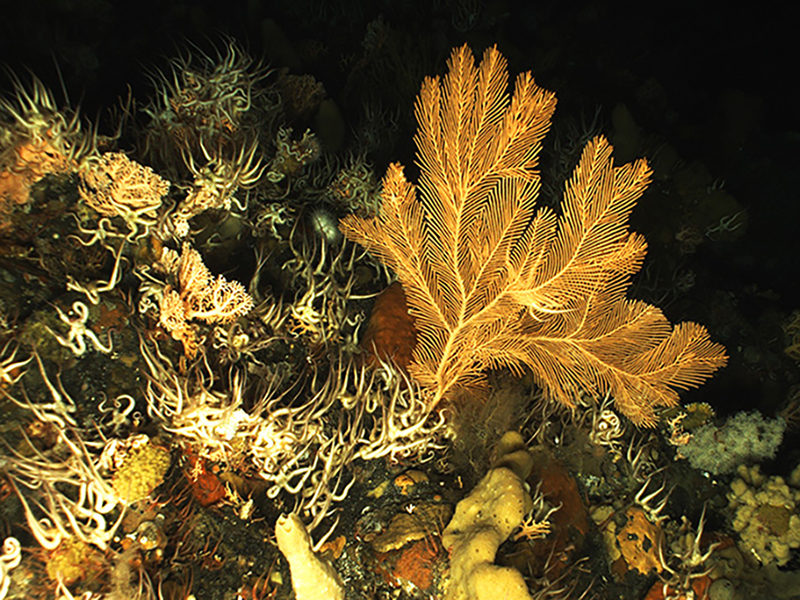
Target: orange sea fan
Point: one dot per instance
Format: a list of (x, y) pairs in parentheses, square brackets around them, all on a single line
[(492, 280)]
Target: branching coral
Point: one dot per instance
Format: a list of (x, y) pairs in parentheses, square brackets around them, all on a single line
[(494, 281), (115, 186), (200, 297)]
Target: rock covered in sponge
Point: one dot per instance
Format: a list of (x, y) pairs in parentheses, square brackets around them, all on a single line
[(767, 514)]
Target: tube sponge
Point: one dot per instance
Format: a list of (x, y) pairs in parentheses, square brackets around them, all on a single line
[(484, 520), (312, 577)]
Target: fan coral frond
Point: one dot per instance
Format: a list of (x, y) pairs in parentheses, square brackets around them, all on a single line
[(492, 280)]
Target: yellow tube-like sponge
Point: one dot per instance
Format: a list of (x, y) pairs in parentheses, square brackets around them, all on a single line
[(312, 577), (482, 521)]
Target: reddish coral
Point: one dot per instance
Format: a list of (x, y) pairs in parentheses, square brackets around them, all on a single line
[(569, 524), (334, 547), (417, 563), (206, 486), (112, 315), (560, 488)]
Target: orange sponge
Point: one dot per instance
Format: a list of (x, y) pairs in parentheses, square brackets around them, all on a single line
[(390, 332)]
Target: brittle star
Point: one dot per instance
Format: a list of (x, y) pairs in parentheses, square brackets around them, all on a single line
[(79, 332), (119, 413), (727, 224)]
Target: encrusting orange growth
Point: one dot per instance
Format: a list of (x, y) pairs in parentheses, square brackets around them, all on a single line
[(32, 160), (492, 280), (36, 139), (206, 486)]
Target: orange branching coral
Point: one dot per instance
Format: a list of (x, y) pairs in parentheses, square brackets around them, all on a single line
[(116, 186), (491, 281), (201, 297)]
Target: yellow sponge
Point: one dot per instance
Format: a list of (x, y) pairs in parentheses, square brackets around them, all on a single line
[(312, 577), (482, 521)]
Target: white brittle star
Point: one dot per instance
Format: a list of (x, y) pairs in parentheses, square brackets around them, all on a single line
[(10, 368), (79, 332), (120, 413)]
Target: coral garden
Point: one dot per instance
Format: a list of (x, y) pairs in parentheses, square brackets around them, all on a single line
[(209, 392)]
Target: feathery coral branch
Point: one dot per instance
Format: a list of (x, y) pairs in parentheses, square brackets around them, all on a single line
[(493, 281)]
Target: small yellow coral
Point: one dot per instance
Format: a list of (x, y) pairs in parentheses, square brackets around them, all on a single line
[(142, 471)]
